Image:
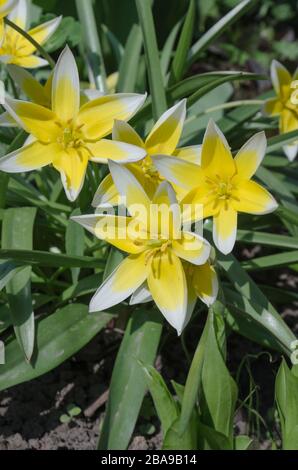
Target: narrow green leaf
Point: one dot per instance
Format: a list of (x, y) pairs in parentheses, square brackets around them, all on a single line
[(164, 403), (178, 64), (167, 51), (159, 103), (7, 272), (128, 384), (271, 261), (55, 260), (58, 337), (74, 242), (278, 141), (17, 232), (243, 443), (129, 66), (267, 239), (218, 29)]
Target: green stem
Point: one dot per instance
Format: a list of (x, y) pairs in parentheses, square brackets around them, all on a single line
[(29, 38), (159, 103), (92, 42)]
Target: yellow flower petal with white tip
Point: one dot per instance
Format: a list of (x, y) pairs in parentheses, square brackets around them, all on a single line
[(250, 156), (106, 193), (66, 87), (253, 199), (30, 157), (29, 85), (182, 173), (41, 34), (19, 14), (225, 229), (191, 154), (281, 79), (98, 116), (6, 6), (104, 150), (166, 133), (167, 277), (191, 247), (205, 283), (124, 132), (119, 285)]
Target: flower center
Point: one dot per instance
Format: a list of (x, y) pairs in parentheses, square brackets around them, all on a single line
[(70, 136), (222, 190), (149, 169), (156, 248)]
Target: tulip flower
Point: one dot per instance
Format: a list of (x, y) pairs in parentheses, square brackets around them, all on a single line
[(156, 246), (163, 138), (221, 184), (282, 105), (68, 135), (15, 48)]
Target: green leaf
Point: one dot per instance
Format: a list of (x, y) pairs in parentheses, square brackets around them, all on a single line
[(286, 396), (114, 259), (166, 53), (69, 32), (267, 239), (187, 441), (58, 337), (159, 104), (7, 272), (55, 260), (271, 261), (218, 29), (219, 391), (17, 232), (278, 141), (74, 242), (128, 384), (249, 291), (193, 381), (184, 43), (128, 70), (210, 439), (243, 443), (164, 403)]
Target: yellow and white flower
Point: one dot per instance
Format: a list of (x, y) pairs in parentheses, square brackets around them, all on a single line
[(282, 104), (155, 257), (67, 135), (15, 48), (221, 184), (163, 138)]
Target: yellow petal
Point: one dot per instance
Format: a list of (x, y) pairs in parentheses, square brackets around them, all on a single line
[(19, 14), (281, 79), (253, 199), (6, 6), (119, 285), (113, 229), (167, 284), (190, 154), (72, 165), (29, 62), (29, 85), (66, 87), (216, 155), (135, 198), (98, 115), (106, 193), (225, 229), (205, 283), (198, 204), (165, 217), (35, 119), (191, 247), (30, 157), (179, 172), (251, 155), (288, 121), (105, 150), (122, 131), (41, 34), (273, 107), (165, 135)]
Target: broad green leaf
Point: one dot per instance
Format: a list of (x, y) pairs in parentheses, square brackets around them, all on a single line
[(159, 103), (5, 318), (128, 383), (210, 439), (250, 291), (258, 323), (184, 43), (218, 29), (187, 441), (58, 337), (286, 396), (55, 260), (128, 70), (74, 242), (165, 405), (7, 272), (17, 233), (278, 141), (219, 391), (243, 443)]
